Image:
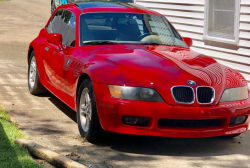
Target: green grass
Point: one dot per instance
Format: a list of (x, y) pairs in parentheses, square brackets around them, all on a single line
[(12, 155)]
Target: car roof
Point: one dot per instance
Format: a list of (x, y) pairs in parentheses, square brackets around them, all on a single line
[(88, 6), (76, 1)]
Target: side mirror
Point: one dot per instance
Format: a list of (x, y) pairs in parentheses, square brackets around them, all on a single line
[(188, 41), (55, 38)]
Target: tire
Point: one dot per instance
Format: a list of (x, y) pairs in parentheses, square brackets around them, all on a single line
[(231, 136), (53, 6), (34, 85), (87, 116)]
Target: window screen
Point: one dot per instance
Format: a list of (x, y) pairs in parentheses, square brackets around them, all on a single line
[(68, 28), (52, 26), (63, 23), (221, 19), (158, 26)]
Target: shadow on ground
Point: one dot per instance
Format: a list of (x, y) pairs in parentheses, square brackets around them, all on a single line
[(164, 146), (139, 150), (7, 151), (63, 107)]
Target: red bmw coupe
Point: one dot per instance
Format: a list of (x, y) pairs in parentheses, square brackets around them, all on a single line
[(124, 68)]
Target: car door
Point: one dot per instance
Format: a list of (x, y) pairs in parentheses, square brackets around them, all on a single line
[(54, 57)]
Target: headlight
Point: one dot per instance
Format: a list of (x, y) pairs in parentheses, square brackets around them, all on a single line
[(234, 94), (134, 93)]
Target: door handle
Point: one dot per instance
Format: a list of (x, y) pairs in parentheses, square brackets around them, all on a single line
[(46, 49)]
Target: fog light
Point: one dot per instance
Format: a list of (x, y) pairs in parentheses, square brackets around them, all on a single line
[(238, 120), (135, 121)]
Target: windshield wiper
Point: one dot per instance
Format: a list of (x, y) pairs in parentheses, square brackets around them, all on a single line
[(116, 42), (152, 43), (99, 42)]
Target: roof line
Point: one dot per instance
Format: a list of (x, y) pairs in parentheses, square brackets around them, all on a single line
[(79, 7)]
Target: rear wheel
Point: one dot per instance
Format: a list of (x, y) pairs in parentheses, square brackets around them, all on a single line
[(35, 87), (87, 117)]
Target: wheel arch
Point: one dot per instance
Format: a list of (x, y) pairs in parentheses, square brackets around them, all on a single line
[(80, 80), (31, 49)]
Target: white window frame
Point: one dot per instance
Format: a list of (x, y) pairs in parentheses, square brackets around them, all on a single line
[(236, 25)]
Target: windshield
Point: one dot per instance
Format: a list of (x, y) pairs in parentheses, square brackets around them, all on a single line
[(127, 28)]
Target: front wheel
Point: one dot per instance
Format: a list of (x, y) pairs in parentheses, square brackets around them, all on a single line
[(87, 117)]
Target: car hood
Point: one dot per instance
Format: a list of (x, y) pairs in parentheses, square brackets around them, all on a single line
[(158, 67)]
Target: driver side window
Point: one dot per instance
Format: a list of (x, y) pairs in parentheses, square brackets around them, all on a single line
[(63, 22), (53, 24)]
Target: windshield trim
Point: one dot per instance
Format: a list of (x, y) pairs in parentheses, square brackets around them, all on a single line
[(123, 42), (166, 21)]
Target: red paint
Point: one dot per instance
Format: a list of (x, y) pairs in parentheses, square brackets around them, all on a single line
[(55, 38), (151, 66), (188, 41)]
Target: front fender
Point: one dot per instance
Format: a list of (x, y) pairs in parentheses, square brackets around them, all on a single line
[(37, 45)]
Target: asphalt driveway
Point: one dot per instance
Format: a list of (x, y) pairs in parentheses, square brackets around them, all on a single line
[(51, 123)]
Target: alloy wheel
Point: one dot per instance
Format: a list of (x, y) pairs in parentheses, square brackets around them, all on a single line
[(32, 73), (85, 109)]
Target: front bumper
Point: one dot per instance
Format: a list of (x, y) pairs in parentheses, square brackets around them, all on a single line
[(111, 111)]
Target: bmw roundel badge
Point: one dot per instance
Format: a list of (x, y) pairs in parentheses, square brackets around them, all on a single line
[(191, 83)]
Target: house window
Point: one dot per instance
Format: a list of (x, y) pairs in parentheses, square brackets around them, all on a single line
[(222, 21)]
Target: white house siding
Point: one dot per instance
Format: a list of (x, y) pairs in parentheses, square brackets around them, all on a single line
[(188, 17)]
